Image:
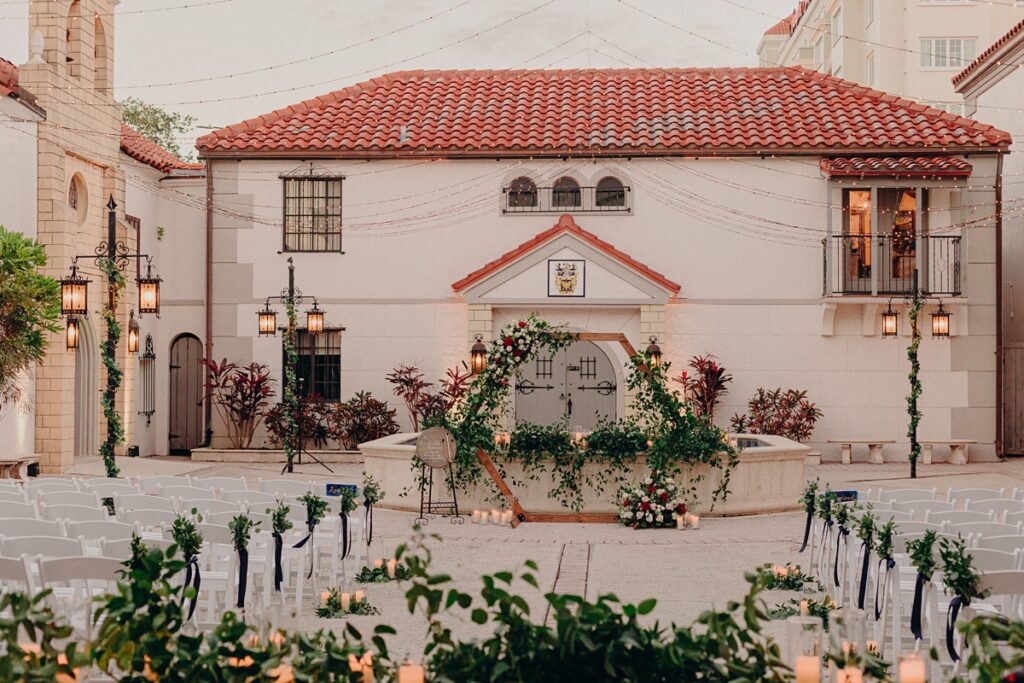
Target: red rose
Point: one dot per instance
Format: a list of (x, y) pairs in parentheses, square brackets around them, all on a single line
[(504, 381), (522, 323), (681, 509), (508, 341), (664, 496), (650, 489), (625, 503), (645, 506)]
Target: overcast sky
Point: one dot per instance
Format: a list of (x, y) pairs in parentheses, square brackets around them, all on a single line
[(303, 48)]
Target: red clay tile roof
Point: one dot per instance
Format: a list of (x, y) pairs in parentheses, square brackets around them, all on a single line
[(599, 111), (992, 49), (142, 149), (900, 167), (565, 224), (783, 28)]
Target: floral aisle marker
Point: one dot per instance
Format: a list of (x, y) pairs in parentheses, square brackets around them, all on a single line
[(335, 604), (654, 504)]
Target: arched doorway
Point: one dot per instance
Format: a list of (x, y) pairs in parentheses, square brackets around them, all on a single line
[(185, 428), (577, 384), (87, 391)]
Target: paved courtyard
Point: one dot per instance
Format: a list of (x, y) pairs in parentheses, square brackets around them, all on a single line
[(687, 571)]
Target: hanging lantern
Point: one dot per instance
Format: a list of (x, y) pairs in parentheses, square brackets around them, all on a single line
[(478, 356), (133, 334), (654, 352), (268, 321), (314, 320), (890, 322), (74, 294), (940, 323), (149, 292), (72, 333)]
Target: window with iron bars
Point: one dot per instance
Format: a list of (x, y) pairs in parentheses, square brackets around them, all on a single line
[(312, 214), (319, 364)]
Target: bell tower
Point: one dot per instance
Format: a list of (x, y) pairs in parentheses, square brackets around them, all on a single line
[(70, 70)]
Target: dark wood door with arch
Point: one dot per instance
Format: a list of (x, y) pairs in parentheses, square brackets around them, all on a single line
[(185, 429)]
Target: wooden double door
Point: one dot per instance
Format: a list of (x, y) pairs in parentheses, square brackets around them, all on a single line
[(577, 385)]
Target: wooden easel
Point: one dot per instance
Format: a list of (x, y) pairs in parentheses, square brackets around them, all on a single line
[(519, 515)]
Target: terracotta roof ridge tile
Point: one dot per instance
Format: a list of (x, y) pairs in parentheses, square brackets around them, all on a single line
[(1017, 30)]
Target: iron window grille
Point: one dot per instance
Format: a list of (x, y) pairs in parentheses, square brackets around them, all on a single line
[(147, 377), (312, 213)]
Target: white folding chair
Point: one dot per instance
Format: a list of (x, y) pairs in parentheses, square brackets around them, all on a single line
[(41, 546), (983, 529), (15, 575), (147, 519), (121, 548), (19, 510), (207, 506), (108, 488), (185, 493), (153, 484), (1007, 544), (1005, 589), (961, 495), (883, 516), (33, 487), (906, 494), (220, 483), (920, 509), (917, 527), (94, 531), (224, 518), (76, 582), (30, 527), (989, 560), (219, 572), (1013, 517), (1000, 507), (252, 499), (958, 517), (78, 512), (7, 484), (290, 487), (141, 501), (86, 498), (13, 495)]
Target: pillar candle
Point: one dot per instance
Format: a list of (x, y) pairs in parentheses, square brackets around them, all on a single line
[(377, 564), (495, 516), (358, 597), (346, 602), (807, 669), (476, 516), (805, 608), (680, 521), (912, 670), (392, 568), (506, 517), (411, 673), (485, 518), (324, 597), (694, 521)]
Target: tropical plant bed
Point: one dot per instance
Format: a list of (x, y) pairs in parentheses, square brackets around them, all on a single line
[(271, 455), (767, 478)]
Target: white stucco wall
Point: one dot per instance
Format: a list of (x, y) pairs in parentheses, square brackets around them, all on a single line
[(742, 237), (18, 213)]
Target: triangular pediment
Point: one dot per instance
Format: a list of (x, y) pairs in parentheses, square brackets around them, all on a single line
[(566, 265)]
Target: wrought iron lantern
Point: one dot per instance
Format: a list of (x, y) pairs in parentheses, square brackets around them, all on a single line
[(71, 336), (267, 321), (133, 333), (654, 352), (940, 323), (149, 292), (74, 294), (478, 356), (314, 320), (890, 322)]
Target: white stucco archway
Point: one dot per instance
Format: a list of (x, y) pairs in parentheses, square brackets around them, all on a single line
[(87, 392)]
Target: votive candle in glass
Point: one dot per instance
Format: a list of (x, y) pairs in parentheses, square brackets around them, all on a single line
[(912, 669), (694, 521), (346, 601), (358, 597), (804, 647), (680, 521), (378, 564), (392, 568), (411, 673), (476, 516)]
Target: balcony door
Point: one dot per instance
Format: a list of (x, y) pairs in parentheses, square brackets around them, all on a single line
[(891, 247), (577, 385)]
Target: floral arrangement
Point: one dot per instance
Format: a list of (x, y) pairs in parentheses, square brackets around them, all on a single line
[(348, 502), (316, 508), (333, 606), (652, 505), (186, 536), (786, 578), (811, 606), (372, 492), (380, 574), (279, 521)]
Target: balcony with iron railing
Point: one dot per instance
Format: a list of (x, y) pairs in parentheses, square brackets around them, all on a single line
[(566, 200), (884, 265)]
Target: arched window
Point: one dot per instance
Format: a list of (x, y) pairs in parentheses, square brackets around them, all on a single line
[(78, 198), (522, 193), (102, 81), (73, 33), (610, 192), (565, 193)]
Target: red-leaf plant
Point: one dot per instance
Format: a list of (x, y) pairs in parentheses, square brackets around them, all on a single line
[(422, 400), (706, 386), (240, 395), (787, 414)]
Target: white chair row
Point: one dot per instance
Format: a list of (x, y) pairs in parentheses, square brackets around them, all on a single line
[(16, 490)]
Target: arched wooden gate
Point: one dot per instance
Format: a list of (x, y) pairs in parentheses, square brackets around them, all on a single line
[(185, 428)]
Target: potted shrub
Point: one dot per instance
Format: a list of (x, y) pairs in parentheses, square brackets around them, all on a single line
[(312, 417), (240, 395), (779, 413), (360, 419)]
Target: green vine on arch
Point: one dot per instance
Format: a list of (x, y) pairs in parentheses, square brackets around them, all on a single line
[(677, 441)]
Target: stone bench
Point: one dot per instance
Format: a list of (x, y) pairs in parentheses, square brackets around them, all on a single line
[(16, 467), (874, 448), (957, 450)]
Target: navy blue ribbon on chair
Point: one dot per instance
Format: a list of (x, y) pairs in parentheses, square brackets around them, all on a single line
[(840, 539), (866, 547), (344, 535), (369, 522), (192, 578), (278, 572), (890, 564), (308, 538), (807, 530), (951, 614), (243, 576), (915, 610)]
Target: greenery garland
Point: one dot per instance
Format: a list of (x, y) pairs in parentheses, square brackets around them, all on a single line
[(915, 383), (115, 427), (291, 399)]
